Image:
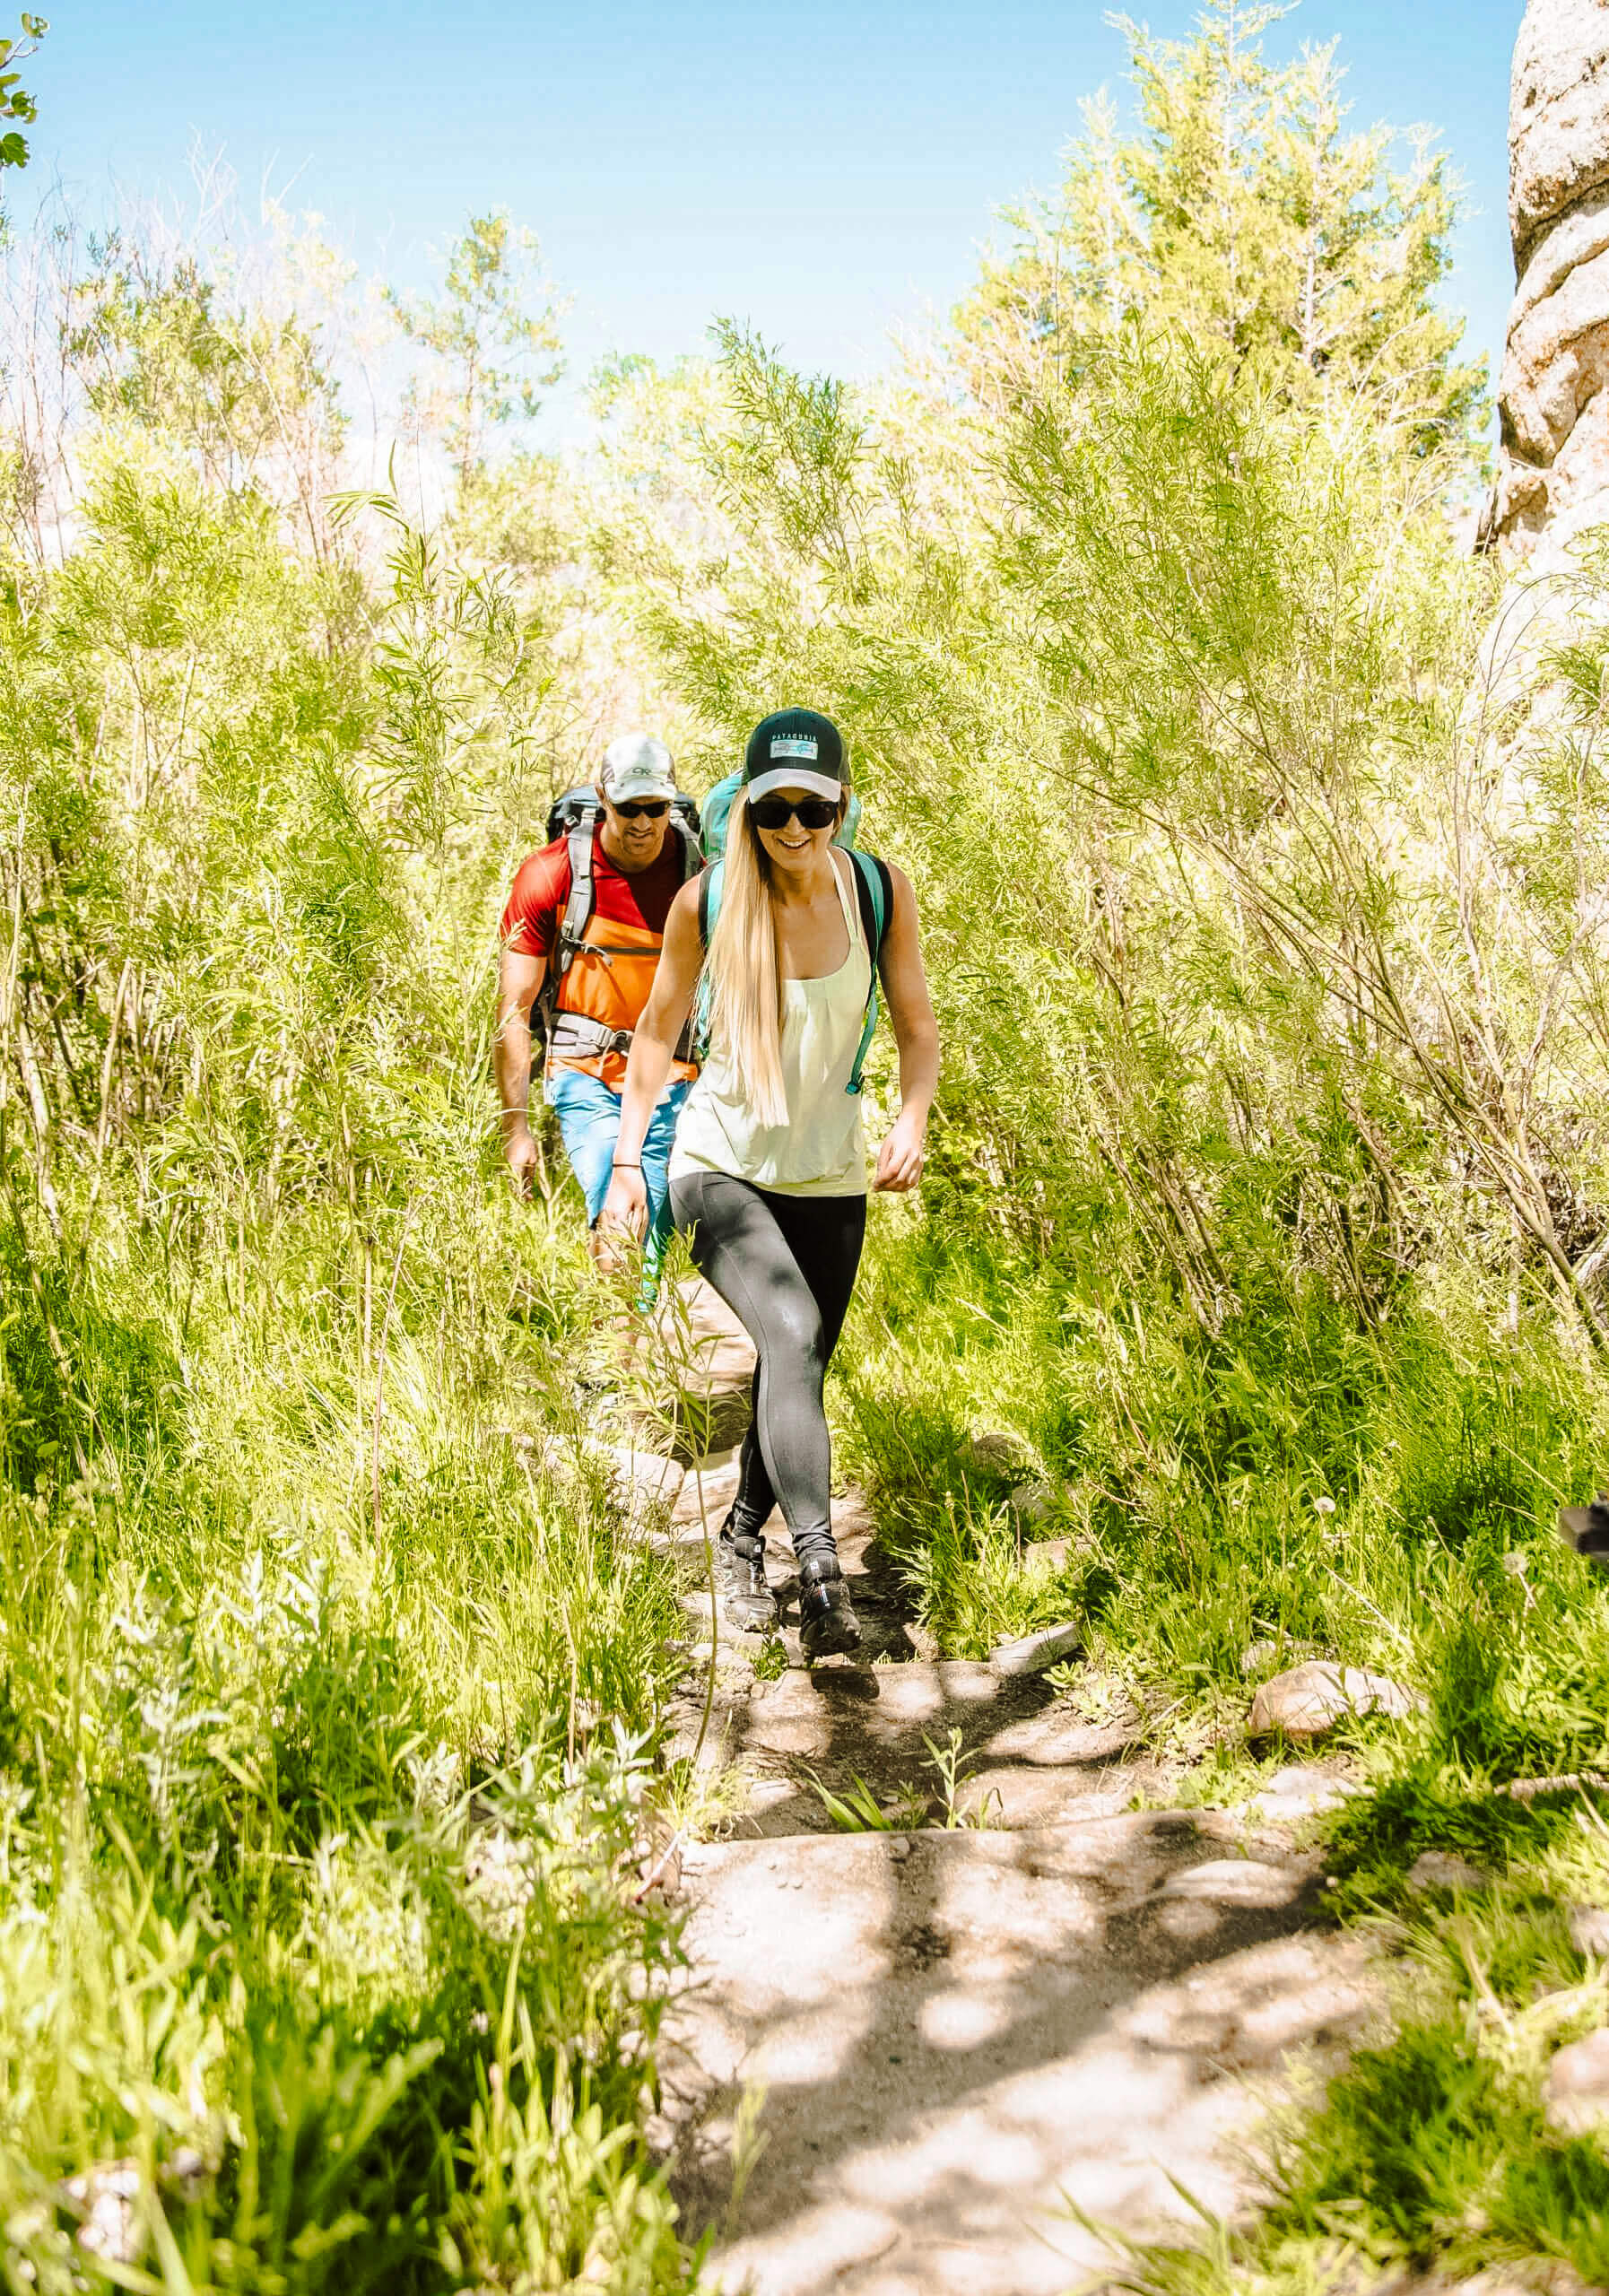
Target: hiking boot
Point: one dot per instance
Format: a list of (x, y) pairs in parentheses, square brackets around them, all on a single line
[(826, 1621), (740, 1568)]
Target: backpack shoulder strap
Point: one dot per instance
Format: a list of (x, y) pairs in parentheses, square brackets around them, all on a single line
[(874, 896), (572, 923), (874, 890), (709, 909), (578, 909), (692, 852), (709, 899)]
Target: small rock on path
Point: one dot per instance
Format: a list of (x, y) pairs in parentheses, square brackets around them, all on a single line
[(1307, 1701), (1576, 2092)]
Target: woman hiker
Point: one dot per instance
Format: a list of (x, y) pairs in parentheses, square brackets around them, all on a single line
[(767, 1173)]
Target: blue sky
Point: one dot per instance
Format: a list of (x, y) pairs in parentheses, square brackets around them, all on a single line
[(824, 171)]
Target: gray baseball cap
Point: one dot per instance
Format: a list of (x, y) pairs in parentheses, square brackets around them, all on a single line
[(637, 765)]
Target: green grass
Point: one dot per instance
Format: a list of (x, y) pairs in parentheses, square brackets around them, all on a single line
[(1289, 1479), (315, 1870), (1430, 2149), (331, 1672)]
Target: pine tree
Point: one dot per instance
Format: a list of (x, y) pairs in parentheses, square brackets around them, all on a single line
[(1244, 214), (494, 334)]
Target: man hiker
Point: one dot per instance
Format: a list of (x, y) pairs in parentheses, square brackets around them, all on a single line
[(582, 939)]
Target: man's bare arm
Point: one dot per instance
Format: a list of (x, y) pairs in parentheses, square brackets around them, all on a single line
[(520, 982)]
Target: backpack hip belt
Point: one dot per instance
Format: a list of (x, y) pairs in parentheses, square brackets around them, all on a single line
[(576, 1032), (577, 1035)]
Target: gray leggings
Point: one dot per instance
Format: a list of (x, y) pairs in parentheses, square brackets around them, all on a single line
[(785, 1265)]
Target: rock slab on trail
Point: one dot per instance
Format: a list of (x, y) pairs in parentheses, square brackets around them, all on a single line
[(957, 2031), (1020, 1752), (1576, 2094)]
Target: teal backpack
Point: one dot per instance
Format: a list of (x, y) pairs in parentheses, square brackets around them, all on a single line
[(874, 887), (716, 809)]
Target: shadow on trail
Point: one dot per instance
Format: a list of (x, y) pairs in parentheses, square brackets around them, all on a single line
[(953, 2030)]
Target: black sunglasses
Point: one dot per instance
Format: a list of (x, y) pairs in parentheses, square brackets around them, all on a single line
[(775, 813), (650, 809)]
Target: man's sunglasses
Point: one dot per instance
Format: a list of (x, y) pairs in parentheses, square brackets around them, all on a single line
[(647, 808), (775, 813)]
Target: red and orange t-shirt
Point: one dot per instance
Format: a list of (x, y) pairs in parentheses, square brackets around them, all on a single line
[(614, 969)]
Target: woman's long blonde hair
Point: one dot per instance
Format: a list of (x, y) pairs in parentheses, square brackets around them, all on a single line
[(745, 965)]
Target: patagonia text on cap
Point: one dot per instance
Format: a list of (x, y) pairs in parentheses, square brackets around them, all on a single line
[(795, 749)]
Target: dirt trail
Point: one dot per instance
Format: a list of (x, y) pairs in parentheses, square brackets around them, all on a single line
[(945, 2036)]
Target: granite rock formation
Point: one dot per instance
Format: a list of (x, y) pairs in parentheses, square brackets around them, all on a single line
[(1552, 478)]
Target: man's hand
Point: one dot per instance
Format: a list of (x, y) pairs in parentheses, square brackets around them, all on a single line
[(520, 1149), (625, 1212), (900, 1158)]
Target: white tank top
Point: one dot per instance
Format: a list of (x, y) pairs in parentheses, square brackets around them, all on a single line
[(821, 1150)]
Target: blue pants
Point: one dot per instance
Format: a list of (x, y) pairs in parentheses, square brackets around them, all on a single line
[(588, 1115)]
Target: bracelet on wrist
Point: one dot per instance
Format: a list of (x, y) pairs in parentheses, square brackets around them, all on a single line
[(626, 1164)]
